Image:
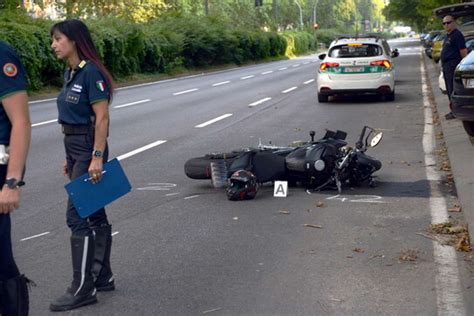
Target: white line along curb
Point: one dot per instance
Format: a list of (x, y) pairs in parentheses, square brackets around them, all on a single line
[(448, 286)]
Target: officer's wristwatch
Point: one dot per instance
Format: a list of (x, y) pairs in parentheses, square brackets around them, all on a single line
[(13, 183), (97, 153)]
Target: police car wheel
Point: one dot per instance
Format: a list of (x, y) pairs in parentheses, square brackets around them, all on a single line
[(323, 98), (390, 96)]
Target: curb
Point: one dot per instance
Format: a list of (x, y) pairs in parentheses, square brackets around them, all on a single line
[(460, 149)]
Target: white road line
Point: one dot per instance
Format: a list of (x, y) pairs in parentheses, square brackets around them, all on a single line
[(309, 81), (448, 286), (289, 90), (41, 101), (141, 149), (259, 102), (305, 63), (44, 123), (267, 72), (115, 233), (214, 120), (35, 236), (220, 83), (185, 91), (297, 65), (131, 103), (283, 68), (247, 77), (191, 197), (171, 194)]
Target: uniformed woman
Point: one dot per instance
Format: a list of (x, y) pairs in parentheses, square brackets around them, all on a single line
[(15, 134), (83, 114)]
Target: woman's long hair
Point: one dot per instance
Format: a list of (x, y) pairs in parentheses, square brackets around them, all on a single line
[(78, 32)]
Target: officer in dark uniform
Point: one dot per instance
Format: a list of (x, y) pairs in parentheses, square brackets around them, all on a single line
[(84, 117), (15, 134), (454, 50)]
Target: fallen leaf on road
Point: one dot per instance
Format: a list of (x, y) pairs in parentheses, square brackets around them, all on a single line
[(312, 226), (349, 257), (463, 243), (319, 204), (284, 212), (409, 255), (359, 250), (455, 209)]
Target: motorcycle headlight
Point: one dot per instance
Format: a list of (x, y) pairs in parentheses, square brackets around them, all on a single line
[(319, 165)]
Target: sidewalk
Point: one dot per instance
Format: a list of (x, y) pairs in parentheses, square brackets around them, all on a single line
[(460, 148)]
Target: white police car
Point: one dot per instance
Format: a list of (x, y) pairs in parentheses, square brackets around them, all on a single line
[(359, 64)]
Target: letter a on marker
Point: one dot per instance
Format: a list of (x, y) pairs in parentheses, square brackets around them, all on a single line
[(280, 189)]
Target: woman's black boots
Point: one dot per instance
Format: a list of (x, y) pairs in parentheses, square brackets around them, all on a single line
[(82, 291), (104, 279), (14, 300)]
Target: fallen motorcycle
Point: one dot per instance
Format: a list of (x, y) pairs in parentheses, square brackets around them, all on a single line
[(316, 164)]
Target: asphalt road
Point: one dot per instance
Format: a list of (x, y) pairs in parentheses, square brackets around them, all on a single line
[(181, 248)]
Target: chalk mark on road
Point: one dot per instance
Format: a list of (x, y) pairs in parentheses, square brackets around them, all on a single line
[(35, 236)]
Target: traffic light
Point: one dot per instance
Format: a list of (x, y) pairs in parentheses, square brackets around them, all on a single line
[(258, 3)]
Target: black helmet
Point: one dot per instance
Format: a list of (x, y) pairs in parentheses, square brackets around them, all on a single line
[(243, 185)]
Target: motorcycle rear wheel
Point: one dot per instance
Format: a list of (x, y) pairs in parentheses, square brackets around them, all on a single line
[(199, 168)]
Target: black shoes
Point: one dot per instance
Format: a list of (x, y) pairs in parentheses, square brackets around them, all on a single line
[(82, 291), (104, 279), (449, 116), (14, 299)]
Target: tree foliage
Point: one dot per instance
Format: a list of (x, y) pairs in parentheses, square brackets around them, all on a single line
[(417, 13)]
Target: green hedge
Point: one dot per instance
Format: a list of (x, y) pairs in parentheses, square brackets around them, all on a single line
[(160, 46)]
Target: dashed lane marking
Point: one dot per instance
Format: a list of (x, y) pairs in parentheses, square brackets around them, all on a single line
[(309, 81), (297, 65), (191, 197), (35, 236), (44, 123), (259, 102), (267, 72), (114, 233), (141, 149), (247, 77), (289, 90), (131, 103), (220, 83), (185, 91), (217, 119), (283, 68)]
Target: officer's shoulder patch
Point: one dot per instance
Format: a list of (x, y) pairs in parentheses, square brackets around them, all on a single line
[(100, 85), (10, 70), (82, 64)]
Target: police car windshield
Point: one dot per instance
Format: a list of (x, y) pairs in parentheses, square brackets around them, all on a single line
[(355, 50)]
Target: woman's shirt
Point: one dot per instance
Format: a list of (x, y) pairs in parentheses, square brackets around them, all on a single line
[(83, 87)]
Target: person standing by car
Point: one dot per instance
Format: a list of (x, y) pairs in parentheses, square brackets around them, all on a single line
[(15, 135), (454, 50), (84, 115)]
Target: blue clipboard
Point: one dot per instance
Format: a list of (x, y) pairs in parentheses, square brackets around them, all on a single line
[(89, 198)]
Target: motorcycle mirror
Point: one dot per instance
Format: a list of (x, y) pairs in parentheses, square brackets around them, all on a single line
[(312, 133), (376, 139)]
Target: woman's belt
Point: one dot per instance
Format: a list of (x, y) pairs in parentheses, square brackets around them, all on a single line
[(76, 129)]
